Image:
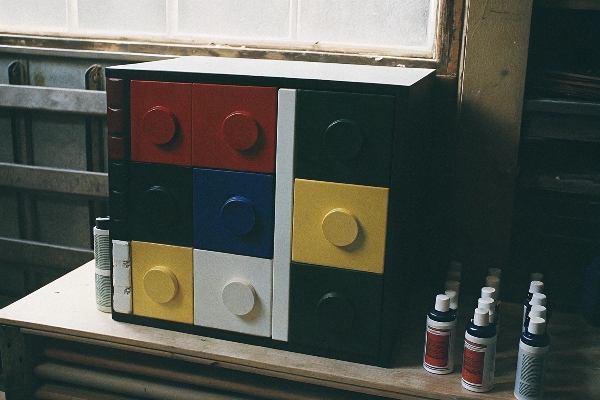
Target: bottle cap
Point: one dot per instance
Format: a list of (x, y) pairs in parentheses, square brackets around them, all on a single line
[(487, 304), (493, 281), (537, 311), (103, 223), (453, 299), (453, 276), (481, 317), (442, 303), (536, 276), (455, 266), (537, 326), (538, 299), (497, 272), (453, 285), (536, 287), (488, 291)]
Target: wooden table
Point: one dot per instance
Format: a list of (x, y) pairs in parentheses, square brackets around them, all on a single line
[(59, 326)]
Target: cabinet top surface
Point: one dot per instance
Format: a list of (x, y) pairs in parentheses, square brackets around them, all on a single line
[(280, 69)]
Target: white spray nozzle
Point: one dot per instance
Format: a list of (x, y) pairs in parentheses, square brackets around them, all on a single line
[(537, 311), (488, 291), (538, 299), (537, 326), (453, 299), (481, 317), (453, 285), (536, 287), (442, 303)]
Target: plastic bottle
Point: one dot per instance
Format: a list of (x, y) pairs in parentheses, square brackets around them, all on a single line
[(479, 357), (438, 357), (531, 362), (453, 307), (103, 262), (534, 287)]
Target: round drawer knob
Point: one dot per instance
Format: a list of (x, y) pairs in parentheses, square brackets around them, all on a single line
[(340, 227), (343, 139), (160, 284), (159, 125), (239, 297), (238, 216), (240, 130), (336, 312), (159, 206)]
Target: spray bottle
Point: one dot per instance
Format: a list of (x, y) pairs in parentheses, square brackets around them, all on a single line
[(438, 357), (102, 259), (479, 357), (531, 362)]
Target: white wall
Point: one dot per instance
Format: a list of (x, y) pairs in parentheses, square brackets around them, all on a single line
[(395, 27)]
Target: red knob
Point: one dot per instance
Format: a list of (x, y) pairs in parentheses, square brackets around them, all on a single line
[(159, 125), (240, 130)]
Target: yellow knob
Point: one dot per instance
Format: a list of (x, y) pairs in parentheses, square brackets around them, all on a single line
[(161, 284), (340, 227)]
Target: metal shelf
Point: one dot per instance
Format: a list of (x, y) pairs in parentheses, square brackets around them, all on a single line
[(576, 107)]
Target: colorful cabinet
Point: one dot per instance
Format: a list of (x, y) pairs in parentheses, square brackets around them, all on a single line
[(267, 201)]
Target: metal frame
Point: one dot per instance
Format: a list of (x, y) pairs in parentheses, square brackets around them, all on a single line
[(28, 181)]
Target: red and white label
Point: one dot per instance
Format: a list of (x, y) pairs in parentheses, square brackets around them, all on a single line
[(437, 347), (479, 360), (437, 356), (473, 363)]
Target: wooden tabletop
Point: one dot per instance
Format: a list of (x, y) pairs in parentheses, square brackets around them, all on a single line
[(66, 309)]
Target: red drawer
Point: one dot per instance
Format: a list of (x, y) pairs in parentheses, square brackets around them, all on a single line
[(234, 127), (161, 122)]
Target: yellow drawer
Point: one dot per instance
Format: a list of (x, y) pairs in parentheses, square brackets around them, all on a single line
[(339, 225), (162, 281)]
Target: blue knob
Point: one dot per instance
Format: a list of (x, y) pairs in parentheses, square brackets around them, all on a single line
[(238, 216)]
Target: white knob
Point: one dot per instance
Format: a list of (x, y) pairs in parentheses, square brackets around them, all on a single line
[(238, 297)]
